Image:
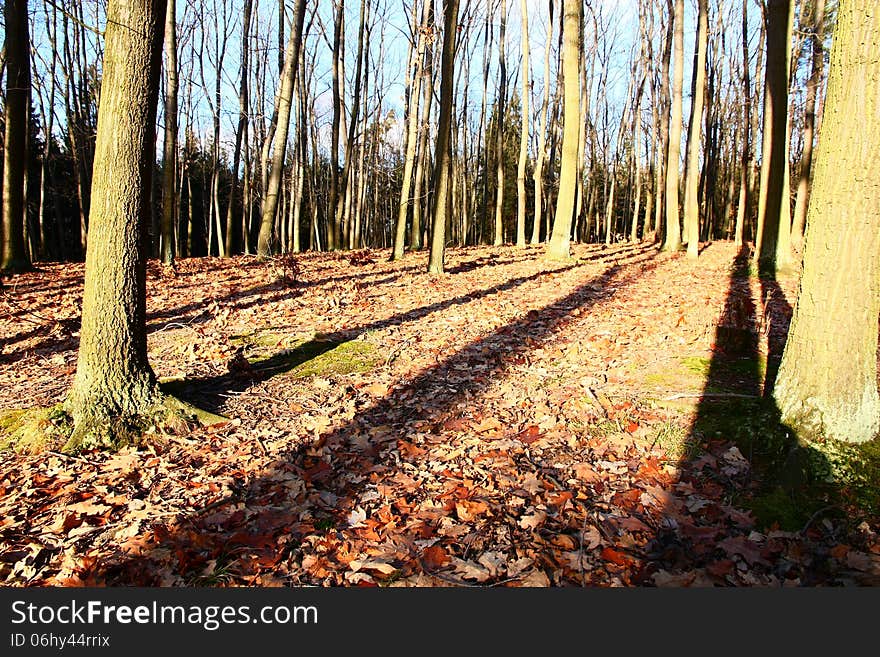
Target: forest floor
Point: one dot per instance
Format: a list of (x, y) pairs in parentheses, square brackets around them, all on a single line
[(512, 423)]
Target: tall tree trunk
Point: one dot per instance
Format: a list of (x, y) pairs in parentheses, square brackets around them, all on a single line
[(333, 237), (692, 171), (542, 136), (343, 215), (818, 62), (285, 103), (423, 161), (524, 130), (773, 249), (746, 158), (673, 156), (827, 383), (444, 130), (500, 110), (114, 381), (243, 102), (16, 108), (664, 107), (558, 247), (169, 155), (412, 126)]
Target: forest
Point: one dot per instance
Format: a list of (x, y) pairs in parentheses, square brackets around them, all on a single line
[(456, 293)]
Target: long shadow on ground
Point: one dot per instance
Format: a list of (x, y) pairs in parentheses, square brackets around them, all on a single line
[(301, 497)]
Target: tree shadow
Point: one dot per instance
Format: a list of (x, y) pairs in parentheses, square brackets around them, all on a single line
[(738, 449), (301, 499), (210, 393)]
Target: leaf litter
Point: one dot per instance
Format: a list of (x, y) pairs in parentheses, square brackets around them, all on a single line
[(499, 431)]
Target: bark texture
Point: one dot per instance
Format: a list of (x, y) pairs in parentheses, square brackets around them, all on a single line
[(827, 382), (114, 380)]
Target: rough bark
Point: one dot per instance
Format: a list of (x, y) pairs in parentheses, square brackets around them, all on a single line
[(827, 382), (114, 380)]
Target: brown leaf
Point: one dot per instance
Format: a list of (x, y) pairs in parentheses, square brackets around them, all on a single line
[(468, 510), (434, 557)]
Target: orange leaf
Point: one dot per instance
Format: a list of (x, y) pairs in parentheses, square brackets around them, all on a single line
[(839, 551), (435, 557), (467, 510), (615, 557)]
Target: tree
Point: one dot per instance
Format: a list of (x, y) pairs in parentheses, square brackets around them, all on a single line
[(169, 157), (114, 383), (499, 135), (692, 172), (524, 131), (538, 175), (241, 128), (559, 244), (774, 214), (411, 129), (285, 103), (442, 146), (14, 256), (673, 154), (746, 156), (827, 382), (818, 63)]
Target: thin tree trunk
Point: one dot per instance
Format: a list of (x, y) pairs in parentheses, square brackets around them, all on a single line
[(692, 170), (524, 130), (542, 136), (285, 102), (803, 191), (444, 129), (673, 220), (169, 156), (499, 128)]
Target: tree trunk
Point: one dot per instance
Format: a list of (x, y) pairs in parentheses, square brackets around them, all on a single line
[(558, 247), (773, 248), (499, 129), (673, 156), (827, 383), (692, 171), (423, 162), (114, 381), (542, 137), (746, 161), (169, 156), (444, 130), (18, 85), (412, 127), (524, 131), (285, 102), (803, 191)]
